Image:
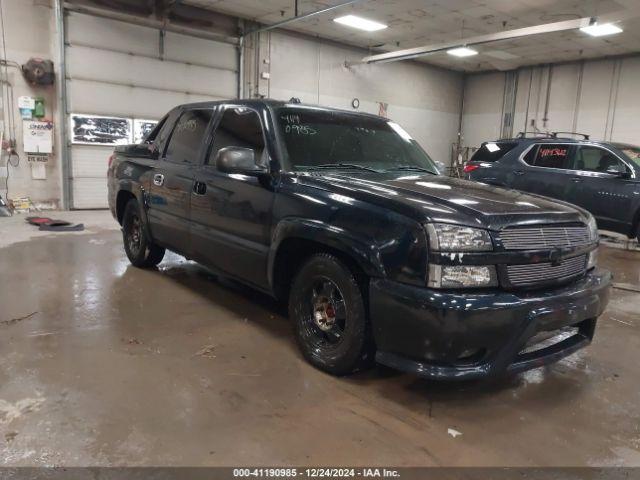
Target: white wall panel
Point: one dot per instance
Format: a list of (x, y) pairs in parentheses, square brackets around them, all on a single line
[(483, 108), (117, 100), (605, 104), (114, 68), (200, 51), (106, 66), (105, 33), (89, 193), (627, 103), (89, 161), (562, 98), (594, 100)]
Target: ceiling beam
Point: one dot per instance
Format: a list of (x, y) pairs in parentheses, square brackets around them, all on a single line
[(301, 17), (409, 53)]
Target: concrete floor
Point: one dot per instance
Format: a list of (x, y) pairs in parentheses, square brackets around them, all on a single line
[(105, 364)]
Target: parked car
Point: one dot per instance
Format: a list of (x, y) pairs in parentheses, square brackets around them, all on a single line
[(602, 177), (343, 216)]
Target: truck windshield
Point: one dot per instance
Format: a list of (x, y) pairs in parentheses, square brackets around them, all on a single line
[(319, 139)]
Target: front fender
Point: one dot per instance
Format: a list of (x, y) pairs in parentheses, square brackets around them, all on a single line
[(364, 252)]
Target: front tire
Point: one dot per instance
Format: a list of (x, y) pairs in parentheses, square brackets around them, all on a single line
[(327, 307), (140, 250)]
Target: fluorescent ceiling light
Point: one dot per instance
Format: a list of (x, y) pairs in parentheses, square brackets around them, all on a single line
[(360, 23), (596, 30), (462, 52)]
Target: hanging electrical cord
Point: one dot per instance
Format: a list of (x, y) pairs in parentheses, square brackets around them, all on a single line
[(8, 88), (9, 95)]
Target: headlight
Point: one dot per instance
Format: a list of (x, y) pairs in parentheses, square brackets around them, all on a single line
[(454, 238), (462, 276), (593, 229), (593, 259)]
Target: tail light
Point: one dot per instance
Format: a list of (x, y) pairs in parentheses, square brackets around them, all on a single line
[(110, 160), (470, 168)]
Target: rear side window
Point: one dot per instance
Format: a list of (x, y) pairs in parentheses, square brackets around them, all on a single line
[(155, 133), (186, 139), (492, 151), (552, 156)]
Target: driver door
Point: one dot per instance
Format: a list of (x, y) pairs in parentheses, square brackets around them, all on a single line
[(230, 212)]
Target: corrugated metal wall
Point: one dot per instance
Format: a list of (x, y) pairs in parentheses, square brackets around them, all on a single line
[(116, 69), (600, 98)]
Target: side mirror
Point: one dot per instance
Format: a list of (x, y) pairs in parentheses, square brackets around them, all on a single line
[(238, 160)]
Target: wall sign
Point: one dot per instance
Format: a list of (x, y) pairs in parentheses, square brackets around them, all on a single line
[(37, 137), (38, 163), (26, 102)]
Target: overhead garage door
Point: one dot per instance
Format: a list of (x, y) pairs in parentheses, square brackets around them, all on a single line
[(114, 69)]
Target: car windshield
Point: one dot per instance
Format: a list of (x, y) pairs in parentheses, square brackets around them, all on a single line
[(633, 153), (317, 139)]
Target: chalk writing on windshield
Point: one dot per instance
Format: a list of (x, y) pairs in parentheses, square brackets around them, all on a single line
[(299, 130), (294, 126)]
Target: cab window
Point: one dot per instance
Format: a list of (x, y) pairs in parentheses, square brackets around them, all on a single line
[(595, 159), (188, 134), (239, 127), (155, 133)]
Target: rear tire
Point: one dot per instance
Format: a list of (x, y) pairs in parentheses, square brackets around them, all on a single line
[(140, 250), (327, 307)]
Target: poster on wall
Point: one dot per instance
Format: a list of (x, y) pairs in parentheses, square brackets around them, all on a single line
[(99, 130), (141, 128), (37, 137)]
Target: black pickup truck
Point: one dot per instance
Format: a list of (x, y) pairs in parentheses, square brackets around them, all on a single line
[(344, 216)]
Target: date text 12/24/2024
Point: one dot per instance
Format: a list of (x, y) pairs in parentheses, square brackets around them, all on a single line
[(315, 473)]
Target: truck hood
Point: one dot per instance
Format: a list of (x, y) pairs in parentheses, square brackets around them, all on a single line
[(444, 199)]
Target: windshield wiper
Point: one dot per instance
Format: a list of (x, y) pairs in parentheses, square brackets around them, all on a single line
[(410, 168), (342, 166)]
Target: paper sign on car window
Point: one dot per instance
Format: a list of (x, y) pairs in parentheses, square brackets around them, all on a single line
[(492, 147)]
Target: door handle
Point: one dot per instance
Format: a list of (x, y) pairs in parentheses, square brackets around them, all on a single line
[(518, 172), (576, 180), (158, 179), (199, 188)]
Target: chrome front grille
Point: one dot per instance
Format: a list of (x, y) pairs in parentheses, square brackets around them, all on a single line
[(540, 273), (541, 238)]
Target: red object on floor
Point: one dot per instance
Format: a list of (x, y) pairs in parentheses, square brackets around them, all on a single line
[(38, 220)]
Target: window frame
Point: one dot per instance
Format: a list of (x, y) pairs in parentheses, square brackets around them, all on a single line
[(205, 136), (540, 145), (153, 134), (600, 147), (217, 120), (586, 173)]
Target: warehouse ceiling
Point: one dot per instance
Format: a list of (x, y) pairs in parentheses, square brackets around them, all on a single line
[(413, 23)]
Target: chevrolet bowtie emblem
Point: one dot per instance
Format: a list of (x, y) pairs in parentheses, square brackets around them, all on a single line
[(555, 256)]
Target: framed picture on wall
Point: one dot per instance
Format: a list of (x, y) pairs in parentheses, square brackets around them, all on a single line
[(98, 130), (141, 128)]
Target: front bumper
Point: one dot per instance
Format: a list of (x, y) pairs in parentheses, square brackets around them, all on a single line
[(458, 335)]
